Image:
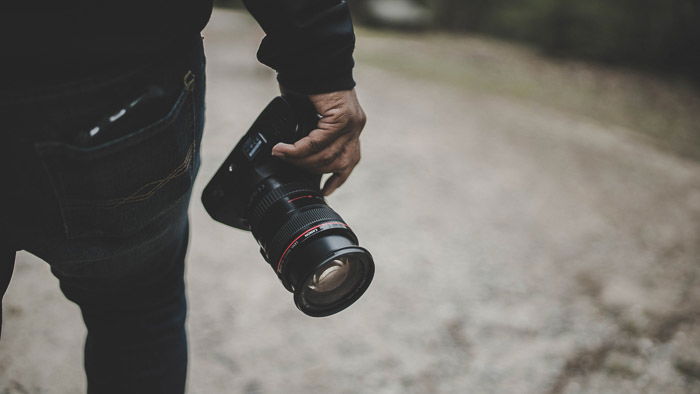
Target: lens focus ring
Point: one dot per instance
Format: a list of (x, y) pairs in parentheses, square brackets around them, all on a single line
[(261, 207), (296, 225)]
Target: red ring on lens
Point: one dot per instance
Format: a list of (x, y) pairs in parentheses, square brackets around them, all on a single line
[(300, 197), (294, 243)]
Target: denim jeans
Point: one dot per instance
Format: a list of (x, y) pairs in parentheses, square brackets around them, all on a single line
[(99, 174)]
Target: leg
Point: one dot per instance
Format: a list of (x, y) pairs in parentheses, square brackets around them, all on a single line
[(7, 264), (109, 213), (136, 340)]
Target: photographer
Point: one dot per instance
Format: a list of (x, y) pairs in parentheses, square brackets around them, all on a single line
[(103, 109)]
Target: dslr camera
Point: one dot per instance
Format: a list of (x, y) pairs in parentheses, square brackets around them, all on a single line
[(309, 246)]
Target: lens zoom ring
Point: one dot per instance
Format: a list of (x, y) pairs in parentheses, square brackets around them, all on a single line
[(260, 208), (298, 223)]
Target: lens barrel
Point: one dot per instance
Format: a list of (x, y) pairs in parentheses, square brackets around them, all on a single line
[(310, 247)]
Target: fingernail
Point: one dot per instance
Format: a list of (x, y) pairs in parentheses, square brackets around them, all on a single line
[(276, 151)]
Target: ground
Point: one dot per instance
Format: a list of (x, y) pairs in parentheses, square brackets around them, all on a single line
[(523, 244)]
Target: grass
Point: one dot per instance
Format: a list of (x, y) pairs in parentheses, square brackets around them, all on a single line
[(665, 110)]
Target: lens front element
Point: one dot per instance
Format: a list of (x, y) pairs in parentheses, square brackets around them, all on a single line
[(336, 283), (330, 277), (333, 281)]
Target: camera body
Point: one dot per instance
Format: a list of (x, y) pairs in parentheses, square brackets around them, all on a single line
[(235, 186), (309, 246)]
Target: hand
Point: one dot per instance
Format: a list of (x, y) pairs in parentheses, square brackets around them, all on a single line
[(334, 146)]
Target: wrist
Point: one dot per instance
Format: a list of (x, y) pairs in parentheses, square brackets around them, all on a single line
[(317, 84)]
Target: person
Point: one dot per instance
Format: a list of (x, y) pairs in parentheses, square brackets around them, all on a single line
[(103, 113)]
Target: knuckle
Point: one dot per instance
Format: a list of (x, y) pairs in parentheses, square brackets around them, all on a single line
[(358, 120), (345, 163), (314, 144), (326, 161), (330, 157), (362, 120), (337, 119), (341, 117)]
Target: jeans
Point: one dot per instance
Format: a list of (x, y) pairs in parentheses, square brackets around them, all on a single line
[(99, 173)]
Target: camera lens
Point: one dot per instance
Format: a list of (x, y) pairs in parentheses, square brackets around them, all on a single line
[(310, 247)]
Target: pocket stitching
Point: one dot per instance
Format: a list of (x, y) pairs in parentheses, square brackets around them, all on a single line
[(137, 195), (109, 147), (66, 204)]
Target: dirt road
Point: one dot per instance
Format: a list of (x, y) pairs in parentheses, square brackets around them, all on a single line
[(520, 248)]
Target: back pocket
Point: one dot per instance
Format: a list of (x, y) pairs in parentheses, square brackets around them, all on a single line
[(116, 187)]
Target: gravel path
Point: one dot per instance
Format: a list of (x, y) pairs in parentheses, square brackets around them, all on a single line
[(519, 249)]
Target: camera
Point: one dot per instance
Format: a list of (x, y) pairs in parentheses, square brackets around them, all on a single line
[(309, 246)]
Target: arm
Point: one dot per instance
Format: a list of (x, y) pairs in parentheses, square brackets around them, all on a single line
[(310, 43)]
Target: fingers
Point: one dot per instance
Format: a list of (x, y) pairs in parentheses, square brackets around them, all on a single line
[(335, 181), (335, 157), (334, 146), (331, 128), (312, 143), (341, 175)]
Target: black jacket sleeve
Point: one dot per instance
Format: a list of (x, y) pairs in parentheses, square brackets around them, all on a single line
[(308, 42)]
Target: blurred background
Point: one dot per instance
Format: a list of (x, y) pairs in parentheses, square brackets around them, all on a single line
[(530, 191)]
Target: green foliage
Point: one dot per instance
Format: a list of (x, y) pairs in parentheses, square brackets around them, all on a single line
[(662, 34)]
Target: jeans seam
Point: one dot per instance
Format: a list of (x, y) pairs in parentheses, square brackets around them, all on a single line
[(195, 125)]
